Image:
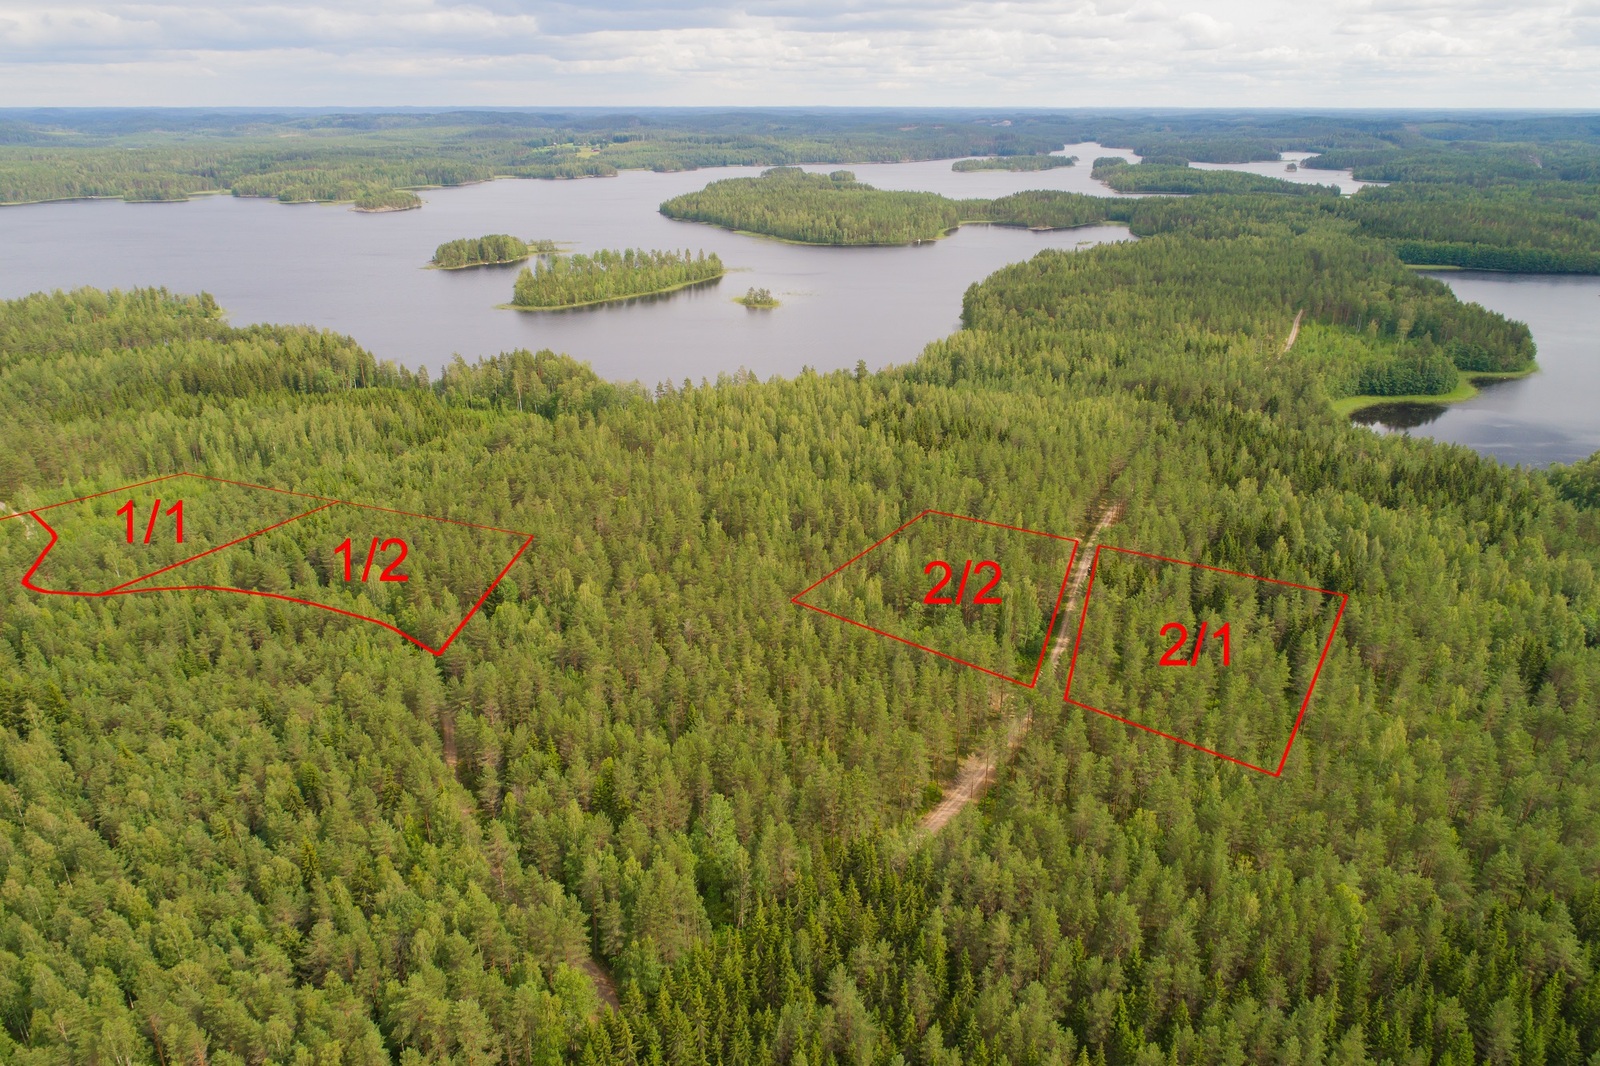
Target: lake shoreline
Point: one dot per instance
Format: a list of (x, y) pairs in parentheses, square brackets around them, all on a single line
[(1347, 406), (616, 299)]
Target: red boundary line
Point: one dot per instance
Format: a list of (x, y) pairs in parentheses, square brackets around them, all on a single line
[(208, 551), (1066, 696), (1044, 649), (125, 590), (353, 503), (91, 496)]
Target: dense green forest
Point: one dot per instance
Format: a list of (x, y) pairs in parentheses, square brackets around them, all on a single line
[(646, 810), (559, 281), (489, 250), (237, 831), (1532, 229), (1014, 163)]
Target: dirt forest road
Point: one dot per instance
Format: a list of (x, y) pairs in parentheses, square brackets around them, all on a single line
[(977, 770)]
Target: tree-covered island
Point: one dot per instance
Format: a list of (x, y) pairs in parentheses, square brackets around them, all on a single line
[(378, 201), (562, 281), (1014, 163), (492, 250), (760, 298)]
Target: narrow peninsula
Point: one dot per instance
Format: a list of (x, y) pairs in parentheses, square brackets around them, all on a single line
[(558, 282), (1014, 163)]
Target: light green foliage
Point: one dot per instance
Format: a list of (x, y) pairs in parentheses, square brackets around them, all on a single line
[(243, 830)]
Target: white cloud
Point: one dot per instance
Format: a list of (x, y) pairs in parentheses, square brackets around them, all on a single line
[(621, 52)]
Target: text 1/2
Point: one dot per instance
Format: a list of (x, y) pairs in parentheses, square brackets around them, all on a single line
[(982, 597), (1174, 656), (175, 512), (373, 551)]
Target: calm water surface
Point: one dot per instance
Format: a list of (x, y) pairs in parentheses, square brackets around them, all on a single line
[(1551, 416), (364, 274)]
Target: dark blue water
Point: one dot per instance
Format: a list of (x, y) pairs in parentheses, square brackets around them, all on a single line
[(1551, 416)]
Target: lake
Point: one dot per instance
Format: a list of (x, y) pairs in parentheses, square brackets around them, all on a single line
[(364, 275), (1551, 416)]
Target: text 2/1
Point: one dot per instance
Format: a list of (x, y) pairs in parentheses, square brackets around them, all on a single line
[(1174, 656)]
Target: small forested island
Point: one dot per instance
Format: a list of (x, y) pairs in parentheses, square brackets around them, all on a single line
[(1015, 163), (790, 203), (1177, 176), (491, 250), (757, 298), (380, 200), (562, 281)]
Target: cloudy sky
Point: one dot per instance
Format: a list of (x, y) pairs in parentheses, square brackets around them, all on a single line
[(1048, 53)]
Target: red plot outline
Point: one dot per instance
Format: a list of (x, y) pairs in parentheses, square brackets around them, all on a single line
[(124, 589), (1344, 600), (1044, 650)]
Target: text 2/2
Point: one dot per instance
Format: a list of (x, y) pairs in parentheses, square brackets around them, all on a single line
[(175, 512), (932, 596), (373, 551), (1174, 656)]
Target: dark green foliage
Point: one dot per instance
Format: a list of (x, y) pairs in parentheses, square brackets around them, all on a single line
[(1550, 228), (1156, 177), (1470, 162), (495, 248), (1206, 149), (574, 280), (790, 203), (1430, 374), (1041, 209), (1014, 163)]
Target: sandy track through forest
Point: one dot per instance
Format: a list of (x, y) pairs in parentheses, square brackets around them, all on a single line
[(1294, 331), (977, 769)]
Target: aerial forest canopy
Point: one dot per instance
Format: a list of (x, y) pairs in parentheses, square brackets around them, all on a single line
[(560, 281), (646, 810)]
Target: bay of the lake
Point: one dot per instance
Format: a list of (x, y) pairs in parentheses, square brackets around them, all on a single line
[(364, 274), (1550, 416)]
